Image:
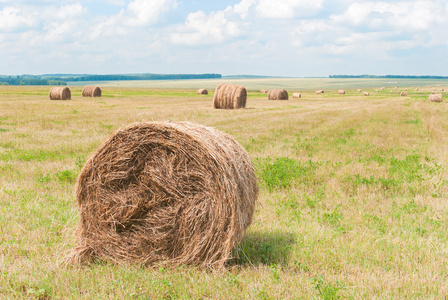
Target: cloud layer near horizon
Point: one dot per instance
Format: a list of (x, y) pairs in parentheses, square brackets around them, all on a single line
[(264, 37)]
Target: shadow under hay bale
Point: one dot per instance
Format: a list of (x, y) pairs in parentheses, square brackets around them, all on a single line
[(165, 193), (230, 96), (91, 91), (435, 97), (202, 92), (60, 93), (278, 94)]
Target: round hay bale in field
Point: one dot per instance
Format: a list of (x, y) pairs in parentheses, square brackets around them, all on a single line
[(230, 96), (264, 91), (377, 91), (416, 89), (403, 93), (366, 94), (202, 92), (341, 92), (278, 94), (165, 193), (319, 92), (435, 98), (359, 90), (91, 91), (60, 93), (296, 95)]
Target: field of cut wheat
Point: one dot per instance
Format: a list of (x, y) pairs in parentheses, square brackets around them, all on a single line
[(353, 198)]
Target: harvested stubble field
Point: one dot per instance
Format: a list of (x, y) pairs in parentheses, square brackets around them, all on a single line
[(353, 195)]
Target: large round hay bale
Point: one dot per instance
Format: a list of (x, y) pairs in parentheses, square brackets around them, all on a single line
[(202, 92), (91, 91), (165, 192), (403, 93), (278, 94), (60, 93), (341, 92), (366, 93), (435, 97), (230, 96), (296, 95)]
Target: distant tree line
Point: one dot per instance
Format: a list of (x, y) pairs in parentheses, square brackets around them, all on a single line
[(147, 76), (29, 80), (62, 79), (390, 76)]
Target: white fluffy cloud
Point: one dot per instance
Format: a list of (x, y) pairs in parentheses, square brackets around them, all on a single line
[(405, 15), (147, 12), (287, 9), (206, 29), (13, 18), (374, 27)]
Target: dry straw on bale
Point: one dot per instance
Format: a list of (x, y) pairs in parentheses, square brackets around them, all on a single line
[(435, 97), (60, 93), (230, 96), (165, 193), (91, 91), (278, 94), (202, 92), (297, 95), (341, 92), (319, 92), (403, 93)]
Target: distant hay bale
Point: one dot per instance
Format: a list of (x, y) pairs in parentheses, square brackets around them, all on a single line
[(416, 89), (60, 93), (403, 93), (341, 92), (435, 98), (382, 88), (319, 92), (297, 95), (91, 91), (264, 91), (359, 90), (442, 90), (278, 94), (170, 193), (202, 92), (366, 94), (230, 96), (377, 91)]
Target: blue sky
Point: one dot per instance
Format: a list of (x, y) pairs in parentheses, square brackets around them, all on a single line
[(261, 37)]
